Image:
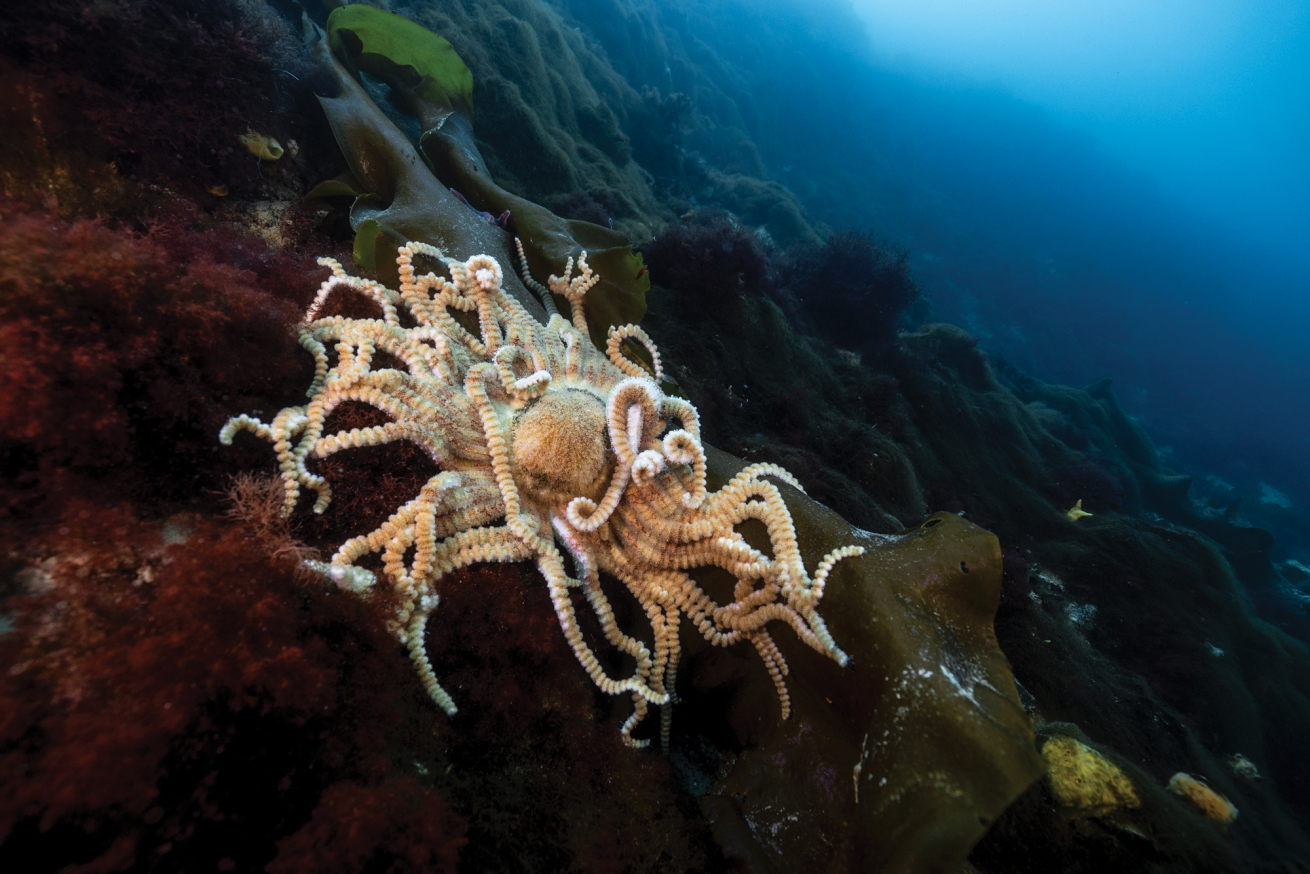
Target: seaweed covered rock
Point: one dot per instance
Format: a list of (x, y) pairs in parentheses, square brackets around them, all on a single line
[(178, 690), (1130, 628), (673, 76), (123, 107), (122, 345), (398, 196), (184, 693), (851, 290), (903, 762), (710, 262), (1094, 420)]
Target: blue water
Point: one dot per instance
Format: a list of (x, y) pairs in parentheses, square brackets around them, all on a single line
[(1088, 198)]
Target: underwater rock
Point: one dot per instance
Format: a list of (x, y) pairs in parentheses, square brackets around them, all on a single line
[(929, 726), (1130, 459), (396, 197), (1295, 573), (403, 193), (1164, 490), (903, 760)]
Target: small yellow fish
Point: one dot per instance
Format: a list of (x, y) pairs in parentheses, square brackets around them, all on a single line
[(1076, 512)]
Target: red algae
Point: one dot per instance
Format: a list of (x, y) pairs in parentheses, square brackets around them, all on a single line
[(169, 682), (398, 826), (119, 350), (185, 689), (157, 90), (533, 748)]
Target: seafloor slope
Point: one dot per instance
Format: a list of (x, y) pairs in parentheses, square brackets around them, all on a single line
[(179, 693)]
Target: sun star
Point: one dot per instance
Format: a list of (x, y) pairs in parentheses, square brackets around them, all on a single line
[(547, 445)]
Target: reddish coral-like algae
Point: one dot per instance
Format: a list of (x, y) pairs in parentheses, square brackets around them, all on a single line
[(398, 826), (177, 689), (120, 348)]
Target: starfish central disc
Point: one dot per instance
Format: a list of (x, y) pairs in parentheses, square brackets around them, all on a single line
[(559, 444)]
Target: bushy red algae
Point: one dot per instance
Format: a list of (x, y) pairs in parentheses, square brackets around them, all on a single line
[(159, 90), (852, 290), (398, 826), (120, 348), (185, 687), (122, 404), (176, 687), (710, 262), (533, 748)]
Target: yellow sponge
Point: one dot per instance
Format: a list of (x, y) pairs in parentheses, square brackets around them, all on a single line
[(1083, 781), (1205, 799)]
